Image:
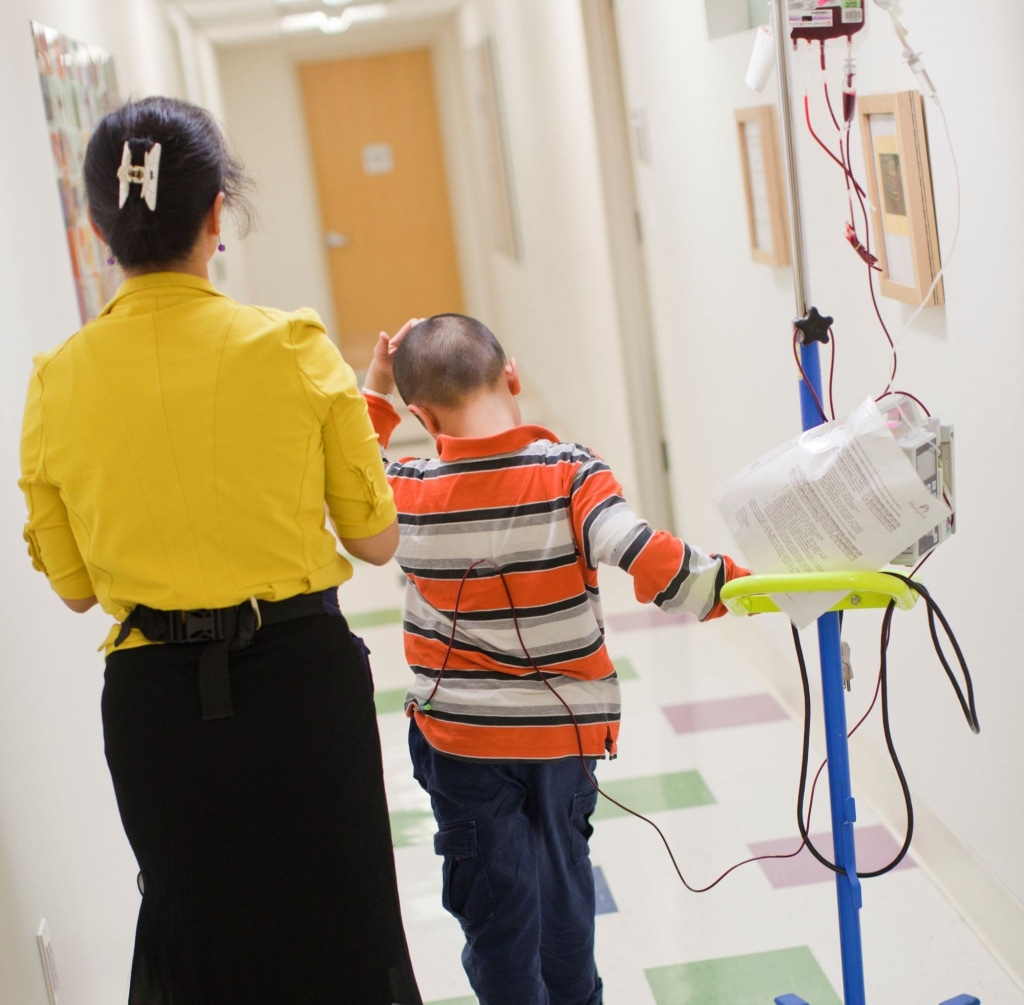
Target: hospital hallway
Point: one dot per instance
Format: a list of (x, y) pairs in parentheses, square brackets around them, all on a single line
[(712, 757), (689, 263)]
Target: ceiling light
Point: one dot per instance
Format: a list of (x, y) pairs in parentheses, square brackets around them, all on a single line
[(362, 12), (304, 22), (333, 25)]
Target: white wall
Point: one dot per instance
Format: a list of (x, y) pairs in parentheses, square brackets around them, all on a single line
[(283, 257), (553, 307), (63, 855), (729, 385)]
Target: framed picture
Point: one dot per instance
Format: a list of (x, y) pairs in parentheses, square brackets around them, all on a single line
[(761, 161), (79, 87), (905, 237)]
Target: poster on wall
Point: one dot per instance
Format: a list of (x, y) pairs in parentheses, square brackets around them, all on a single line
[(79, 87)]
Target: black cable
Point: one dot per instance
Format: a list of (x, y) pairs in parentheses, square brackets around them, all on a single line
[(967, 705), (425, 706), (883, 675)]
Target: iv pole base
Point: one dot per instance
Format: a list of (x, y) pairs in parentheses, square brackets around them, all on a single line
[(958, 1000)]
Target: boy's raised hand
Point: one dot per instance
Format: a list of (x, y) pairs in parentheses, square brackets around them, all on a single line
[(380, 374), (396, 340)]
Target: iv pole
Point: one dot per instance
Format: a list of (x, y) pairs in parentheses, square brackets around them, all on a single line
[(844, 813)]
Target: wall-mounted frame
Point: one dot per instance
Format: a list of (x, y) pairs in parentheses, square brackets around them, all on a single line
[(760, 158), (79, 87), (905, 237)]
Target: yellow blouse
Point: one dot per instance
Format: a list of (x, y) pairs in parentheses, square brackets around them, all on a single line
[(179, 450)]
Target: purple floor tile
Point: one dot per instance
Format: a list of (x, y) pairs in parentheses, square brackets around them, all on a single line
[(724, 712), (875, 847), (604, 902)]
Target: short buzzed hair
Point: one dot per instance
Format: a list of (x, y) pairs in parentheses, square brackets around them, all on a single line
[(446, 359)]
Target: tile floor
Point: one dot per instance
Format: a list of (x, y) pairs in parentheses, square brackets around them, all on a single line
[(713, 759)]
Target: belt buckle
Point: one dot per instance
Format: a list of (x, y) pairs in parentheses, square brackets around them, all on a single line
[(200, 625)]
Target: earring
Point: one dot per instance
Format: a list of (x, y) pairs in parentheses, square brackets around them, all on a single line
[(110, 259), (220, 246)]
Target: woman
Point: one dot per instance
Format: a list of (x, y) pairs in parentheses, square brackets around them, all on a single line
[(178, 454)]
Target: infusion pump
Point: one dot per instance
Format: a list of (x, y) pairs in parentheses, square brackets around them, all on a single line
[(927, 443)]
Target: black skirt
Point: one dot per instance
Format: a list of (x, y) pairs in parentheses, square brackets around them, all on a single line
[(263, 842)]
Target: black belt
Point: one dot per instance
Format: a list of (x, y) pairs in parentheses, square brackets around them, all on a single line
[(224, 630)]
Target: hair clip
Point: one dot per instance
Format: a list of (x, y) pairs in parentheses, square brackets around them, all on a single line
[(145, 175)]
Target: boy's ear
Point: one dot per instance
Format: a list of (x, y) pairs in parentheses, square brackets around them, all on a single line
[(426, 418), (512, 376)]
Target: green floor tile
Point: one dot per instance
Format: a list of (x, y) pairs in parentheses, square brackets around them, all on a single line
[(412, 827), (468, 1000), (624, 669), (755, 979), (656, 792), (389, 701), (373, 619)]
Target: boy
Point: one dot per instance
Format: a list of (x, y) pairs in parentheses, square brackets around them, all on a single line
[(515, 695)]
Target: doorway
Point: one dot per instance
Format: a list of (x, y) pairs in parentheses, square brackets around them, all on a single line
[(629, 271), (385, 212)]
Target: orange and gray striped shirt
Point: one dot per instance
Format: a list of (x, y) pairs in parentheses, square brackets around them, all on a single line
[(495, 656)]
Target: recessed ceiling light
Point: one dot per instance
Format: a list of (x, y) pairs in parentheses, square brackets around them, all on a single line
[(318, 20), (303, 22)]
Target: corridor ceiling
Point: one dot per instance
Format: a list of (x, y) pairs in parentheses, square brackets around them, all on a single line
[(237, 22)]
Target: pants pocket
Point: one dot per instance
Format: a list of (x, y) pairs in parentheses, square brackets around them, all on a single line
[(466, 890), (583, 805)]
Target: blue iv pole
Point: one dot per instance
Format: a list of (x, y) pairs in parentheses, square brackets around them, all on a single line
[(848, 891), (844, 811)]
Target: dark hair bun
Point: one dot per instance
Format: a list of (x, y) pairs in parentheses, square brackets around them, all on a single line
[(195, 165)]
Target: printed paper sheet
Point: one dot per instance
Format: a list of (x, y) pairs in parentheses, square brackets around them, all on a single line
[(840, 496)]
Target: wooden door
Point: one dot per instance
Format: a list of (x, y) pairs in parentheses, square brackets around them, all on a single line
[(384, 208)]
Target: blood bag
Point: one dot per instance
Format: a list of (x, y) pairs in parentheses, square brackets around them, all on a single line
[(817, 20)]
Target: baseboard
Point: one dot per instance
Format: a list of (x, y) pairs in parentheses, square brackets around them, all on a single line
[(982, 899)]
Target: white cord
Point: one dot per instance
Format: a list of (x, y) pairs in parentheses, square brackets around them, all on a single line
[(956, 227), (913, 60), (952, 246)]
